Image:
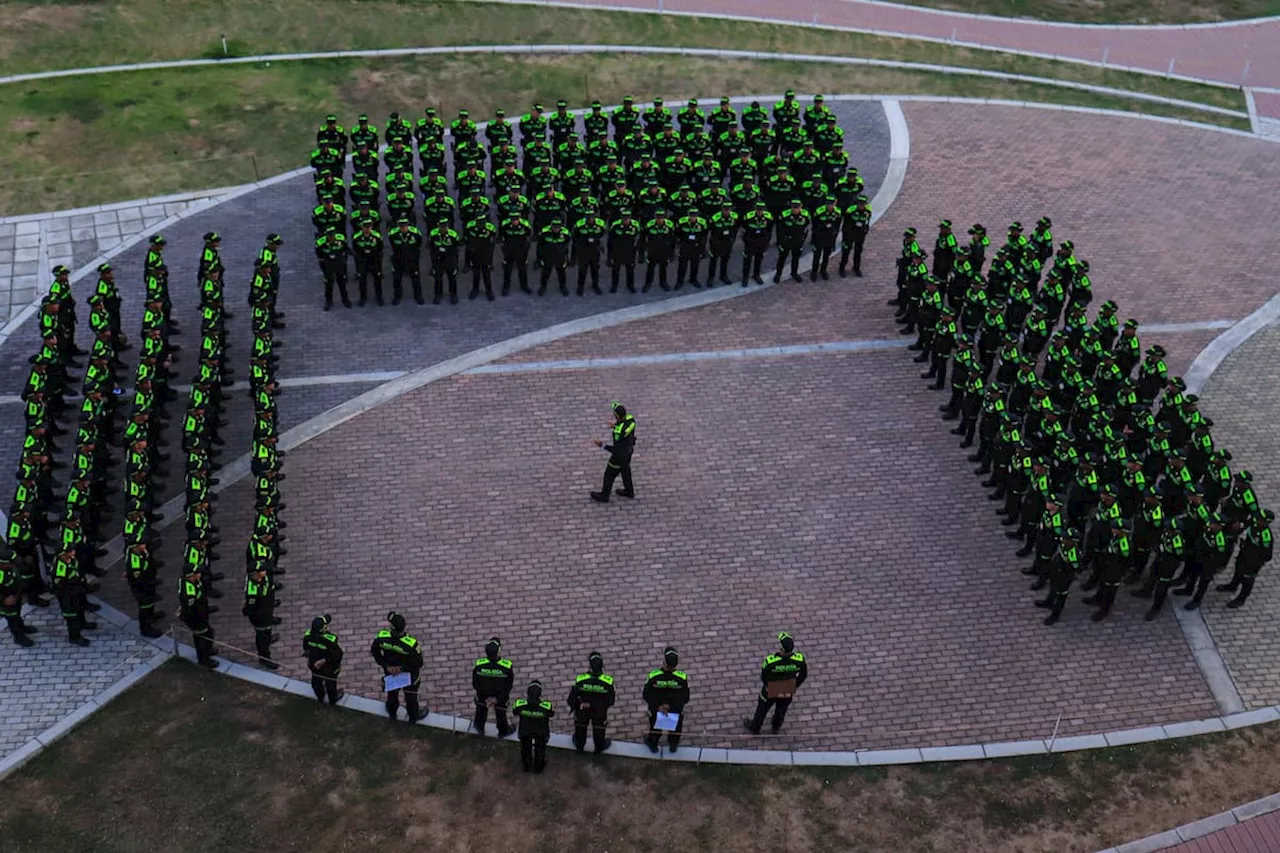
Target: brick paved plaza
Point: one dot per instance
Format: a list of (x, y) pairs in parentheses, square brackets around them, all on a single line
[(816, 493)]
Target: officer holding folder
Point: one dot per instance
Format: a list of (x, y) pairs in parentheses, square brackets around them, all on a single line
[(780, 675)]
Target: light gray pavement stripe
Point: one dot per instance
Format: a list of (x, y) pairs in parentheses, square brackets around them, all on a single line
[(638, 49)]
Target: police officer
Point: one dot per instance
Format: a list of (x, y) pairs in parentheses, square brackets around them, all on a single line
[(491, 678), (784, 665), (553, 254), (398, 652), (723, 233), (624, 439), (666, 690), (693, 230), (757, 226), (588, 234), (624, 238), (194, 612), (331, 250), (11, 605), (659, 246), (259, 607), (367, 245), (534, 714), (444, 261), (1255, 552), (140, 570), (324, 659), (590, 698), (1066, 565), (516, 231), (406, 257), (793, 224), (480, 235)]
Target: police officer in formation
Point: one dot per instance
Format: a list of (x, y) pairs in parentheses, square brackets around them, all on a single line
[(640, 186), (1105, 467)]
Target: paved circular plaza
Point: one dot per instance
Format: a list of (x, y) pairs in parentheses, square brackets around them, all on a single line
[(791, 469)]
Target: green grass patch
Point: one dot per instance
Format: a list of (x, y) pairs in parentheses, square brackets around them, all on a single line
[(34, 37), (71, 142)]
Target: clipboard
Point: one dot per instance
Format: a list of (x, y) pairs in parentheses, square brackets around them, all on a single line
[(397, 681), (780, 689), (666, 722)]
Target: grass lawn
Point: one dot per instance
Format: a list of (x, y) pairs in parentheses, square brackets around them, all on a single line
[(1114, 11), (191, 761), (34, 36), (82, 141)]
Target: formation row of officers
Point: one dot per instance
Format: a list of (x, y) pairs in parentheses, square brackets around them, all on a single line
[(666, 690), (1105, 466), (651, 199)]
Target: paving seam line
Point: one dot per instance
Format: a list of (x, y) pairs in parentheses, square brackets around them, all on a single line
[(1252, 106), (662, 49)]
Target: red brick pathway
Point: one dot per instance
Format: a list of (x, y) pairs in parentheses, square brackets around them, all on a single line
[(1210, 52), (1259, 835)]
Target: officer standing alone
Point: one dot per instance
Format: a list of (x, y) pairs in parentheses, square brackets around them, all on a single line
[(624, 439)]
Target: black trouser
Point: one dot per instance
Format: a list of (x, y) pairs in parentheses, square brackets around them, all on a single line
[(856, 249), (18, 629), (410, 700), (370, 266), (598, 719), (144, 592), (1059, 586), (718, 268), (202, 638), (262, 639), (398, 270), (785, 253), (763, 704), (588, 267), (1157, 587), (72, 604), (661, 267), (335, 272), (687, 264), (751, 262), (440, 270), (546, 276), (499, 714), (508, 264), (324, 686), (654, 737), (611, 472), (482, 272), (821, 257), (533, 752), (630, 267)]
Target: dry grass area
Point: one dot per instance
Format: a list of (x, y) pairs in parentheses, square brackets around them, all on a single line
[(84, 141), (192, 761)]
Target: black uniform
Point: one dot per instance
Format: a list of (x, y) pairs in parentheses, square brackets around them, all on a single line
[(785, 665), (624, 440), (406, 258), (534, 714), (324, 659), (590, 698), (667, 690), (367, 246), (491, 678), (394, 649)]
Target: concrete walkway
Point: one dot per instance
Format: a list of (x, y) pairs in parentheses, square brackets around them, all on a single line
[(1241, 53), (31, 245)]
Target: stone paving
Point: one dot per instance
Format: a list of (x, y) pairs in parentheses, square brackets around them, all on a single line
[(1243, 398), (32, 245), (41, 685)]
